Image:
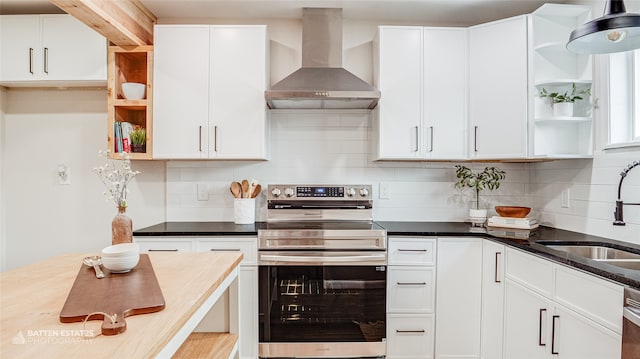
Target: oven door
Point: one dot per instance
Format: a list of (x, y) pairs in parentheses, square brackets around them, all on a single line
[(322, 304)]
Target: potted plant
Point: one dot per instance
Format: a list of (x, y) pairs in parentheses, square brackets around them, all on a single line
[(138, 139), (563, 102), (489, 179)]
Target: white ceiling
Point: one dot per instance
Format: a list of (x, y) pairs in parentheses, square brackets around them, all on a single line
[(452, 12)]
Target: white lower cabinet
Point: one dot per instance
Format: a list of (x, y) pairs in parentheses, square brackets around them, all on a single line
[(458, 297), (410, 336), (564, 313), (410, 297), (247, 277), (493, 285)]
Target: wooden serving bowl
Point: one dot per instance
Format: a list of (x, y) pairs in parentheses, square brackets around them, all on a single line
[(513, 212)]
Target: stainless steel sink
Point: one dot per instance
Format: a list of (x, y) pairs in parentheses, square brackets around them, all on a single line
[(612, 256)]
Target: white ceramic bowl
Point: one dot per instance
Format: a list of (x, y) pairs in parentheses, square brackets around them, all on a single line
[(120, 265), (121, 250), (133, 90)]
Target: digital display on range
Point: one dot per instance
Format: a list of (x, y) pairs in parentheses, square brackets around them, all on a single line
[(320, 191)]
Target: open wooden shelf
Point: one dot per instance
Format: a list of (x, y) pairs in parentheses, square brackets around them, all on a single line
[(208, 345), (130, 64)]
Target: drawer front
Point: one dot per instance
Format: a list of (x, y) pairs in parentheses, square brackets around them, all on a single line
[(532, 272), (409, 336), (410, 289), (411, 251), (172, 245), (595, 298), (247, 245)]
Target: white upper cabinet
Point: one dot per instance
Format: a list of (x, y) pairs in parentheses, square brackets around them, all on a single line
[(209, 92), (557, 134), (498, 89), (399, 63), (421, 73), (50, 50)]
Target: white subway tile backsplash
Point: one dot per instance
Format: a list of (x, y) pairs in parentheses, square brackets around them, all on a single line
[(327, 146)]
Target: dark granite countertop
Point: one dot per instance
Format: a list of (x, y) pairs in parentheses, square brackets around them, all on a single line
[(530, 241)]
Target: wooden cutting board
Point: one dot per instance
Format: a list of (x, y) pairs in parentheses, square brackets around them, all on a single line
[(122, 294)]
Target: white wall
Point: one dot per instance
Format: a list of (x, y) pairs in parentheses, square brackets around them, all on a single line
[(3, 250), (45, 127)]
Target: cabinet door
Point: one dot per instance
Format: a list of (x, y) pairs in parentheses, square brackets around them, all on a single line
[(458, 297), (527, 323), (72, 50), (445, 93), (399, 112), (20, 49), (576, 337), (181, 91), (492, 299), (498, 89), (238, 81)]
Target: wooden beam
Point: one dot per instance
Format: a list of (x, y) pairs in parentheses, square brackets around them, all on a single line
[(123, 22)]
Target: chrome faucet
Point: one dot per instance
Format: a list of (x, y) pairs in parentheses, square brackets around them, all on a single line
[(618, 213)]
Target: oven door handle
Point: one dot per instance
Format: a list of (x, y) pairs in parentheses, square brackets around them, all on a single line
[(321, 259)]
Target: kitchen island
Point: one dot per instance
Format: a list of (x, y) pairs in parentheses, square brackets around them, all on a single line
[(32, 297)]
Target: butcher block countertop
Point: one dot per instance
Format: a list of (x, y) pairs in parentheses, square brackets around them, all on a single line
[(32, 297)]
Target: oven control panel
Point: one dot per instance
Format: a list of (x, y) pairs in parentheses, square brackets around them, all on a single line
[(311, 192)]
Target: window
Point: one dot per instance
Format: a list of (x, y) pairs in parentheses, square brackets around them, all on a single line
[(624, 98)]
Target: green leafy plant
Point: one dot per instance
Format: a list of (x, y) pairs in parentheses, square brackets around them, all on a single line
[(557, 97), (138, 136), (489, 178)]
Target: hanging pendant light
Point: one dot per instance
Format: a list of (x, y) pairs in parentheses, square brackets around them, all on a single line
[(616, 31)]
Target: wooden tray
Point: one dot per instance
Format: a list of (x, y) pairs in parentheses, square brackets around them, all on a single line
[(123, 294)]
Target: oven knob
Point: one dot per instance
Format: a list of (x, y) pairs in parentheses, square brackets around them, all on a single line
[(351, 192), (276, 192), (288, 192), (364, 192)]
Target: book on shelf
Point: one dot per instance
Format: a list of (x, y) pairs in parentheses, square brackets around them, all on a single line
[(122, 134)]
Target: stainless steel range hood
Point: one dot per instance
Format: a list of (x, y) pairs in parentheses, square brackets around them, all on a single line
[(321, 82)]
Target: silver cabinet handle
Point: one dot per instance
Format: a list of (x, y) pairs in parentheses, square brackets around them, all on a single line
[(162, 250), (540, 343), (410, 331), (411, 250), (200, 138), (496, 279), (553, 334), (475, 139), (411, 283), (46, 60), (215, 138), (431, 135), (31, 60), (416, 148), (224, 250)]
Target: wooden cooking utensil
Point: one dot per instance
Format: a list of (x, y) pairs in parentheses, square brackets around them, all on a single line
[(245, 188), (236, 189), (256, 191)]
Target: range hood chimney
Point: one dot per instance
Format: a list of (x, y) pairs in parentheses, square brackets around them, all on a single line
[(321, 82)]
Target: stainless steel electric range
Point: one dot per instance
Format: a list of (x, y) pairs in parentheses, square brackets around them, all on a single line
[(322, 274)]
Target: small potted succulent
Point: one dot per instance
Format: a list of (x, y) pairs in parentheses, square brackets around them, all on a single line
[(563, 102), (138, 139), (489, 178)]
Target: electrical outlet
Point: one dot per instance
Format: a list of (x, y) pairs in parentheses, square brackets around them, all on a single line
[(384, 190), (203, 192), (564, 199)]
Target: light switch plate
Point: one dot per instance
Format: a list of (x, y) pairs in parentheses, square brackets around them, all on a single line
[(203, 192), (564, 198), (384, 190)]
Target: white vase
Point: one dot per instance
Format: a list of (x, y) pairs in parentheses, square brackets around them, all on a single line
[(563, 109)]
